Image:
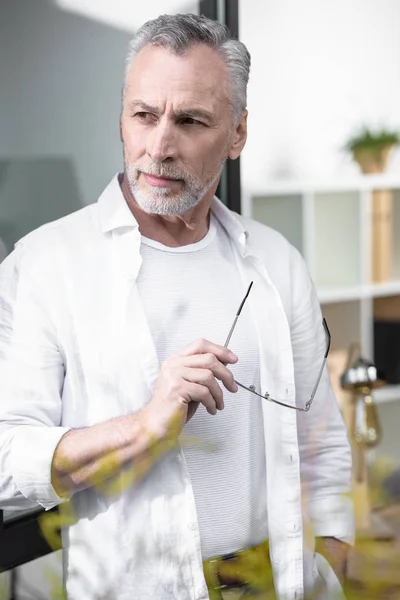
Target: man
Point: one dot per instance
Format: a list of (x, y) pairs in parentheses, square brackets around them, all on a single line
[(118, 392)]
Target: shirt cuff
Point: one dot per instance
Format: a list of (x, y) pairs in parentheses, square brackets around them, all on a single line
[(333, 516), (31, 456)]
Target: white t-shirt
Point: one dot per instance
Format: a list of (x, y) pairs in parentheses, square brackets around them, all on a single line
[(195, 291)]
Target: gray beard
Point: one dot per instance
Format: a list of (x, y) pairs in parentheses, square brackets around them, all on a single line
[(161, 201)]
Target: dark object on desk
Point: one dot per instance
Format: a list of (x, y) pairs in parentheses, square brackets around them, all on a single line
[(387, 348), (21, 539)]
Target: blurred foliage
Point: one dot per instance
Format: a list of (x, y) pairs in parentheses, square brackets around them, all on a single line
[(379, 575), (378, 560), (367, 139), (379, 470), (377, 585), (3, 587), (57, 591)]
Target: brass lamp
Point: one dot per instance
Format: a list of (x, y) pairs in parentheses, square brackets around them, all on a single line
[(360, 378)]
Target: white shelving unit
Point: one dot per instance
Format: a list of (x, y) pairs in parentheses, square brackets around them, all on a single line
[(330, 224)]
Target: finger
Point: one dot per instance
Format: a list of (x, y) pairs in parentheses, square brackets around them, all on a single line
[(191, 410), (211, 363), (196, 392), (206, 378), (203, 346)]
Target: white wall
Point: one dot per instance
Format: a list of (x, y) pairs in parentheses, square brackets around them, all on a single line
[(63, 76), (318, 70), (119, 13)]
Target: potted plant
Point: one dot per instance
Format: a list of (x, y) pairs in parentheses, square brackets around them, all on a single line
[(372, 149)]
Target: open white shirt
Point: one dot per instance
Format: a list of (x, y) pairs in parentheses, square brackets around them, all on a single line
[(76, 349)]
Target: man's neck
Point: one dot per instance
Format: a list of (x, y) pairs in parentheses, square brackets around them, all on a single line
[(172, 231)]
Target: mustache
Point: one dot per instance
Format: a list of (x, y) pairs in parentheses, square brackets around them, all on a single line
[(163, 171)]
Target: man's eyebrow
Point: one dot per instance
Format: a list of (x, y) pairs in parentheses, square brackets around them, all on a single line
[(144, 107), (195, 113)]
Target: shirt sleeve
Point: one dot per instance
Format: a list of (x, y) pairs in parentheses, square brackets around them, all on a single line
[(31, 382), (325, 452)]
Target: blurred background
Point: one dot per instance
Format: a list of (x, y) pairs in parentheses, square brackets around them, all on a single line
[(322, 165)]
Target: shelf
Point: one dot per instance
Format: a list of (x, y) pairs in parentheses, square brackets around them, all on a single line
[(337, 238), (332, 295), (328, 295), (389, 393), (283, 213), (353, 184), (395, 235), (389, 288), (344, 324), (330, 222)]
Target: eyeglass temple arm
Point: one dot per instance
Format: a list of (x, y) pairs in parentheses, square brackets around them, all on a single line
[(328, 337), (228, 339), (269, 399), (311, 398), (328, 345)]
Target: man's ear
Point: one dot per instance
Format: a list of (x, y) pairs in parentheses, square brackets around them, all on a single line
[(239, 137), (121, 137)]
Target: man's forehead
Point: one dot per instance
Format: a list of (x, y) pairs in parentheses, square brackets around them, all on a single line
[(201, 67), (177, 84)]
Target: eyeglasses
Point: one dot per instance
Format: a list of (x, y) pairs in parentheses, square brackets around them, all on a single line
[(267, 396)]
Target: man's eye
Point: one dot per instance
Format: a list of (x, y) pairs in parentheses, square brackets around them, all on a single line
[(144, 116), (190, 121)]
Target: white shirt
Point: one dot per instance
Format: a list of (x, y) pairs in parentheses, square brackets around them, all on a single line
[(190, 292), (76, 349)]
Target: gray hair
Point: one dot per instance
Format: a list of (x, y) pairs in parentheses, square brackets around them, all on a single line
[(180, 32)]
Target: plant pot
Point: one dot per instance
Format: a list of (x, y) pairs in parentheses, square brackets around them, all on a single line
[(373, 160)]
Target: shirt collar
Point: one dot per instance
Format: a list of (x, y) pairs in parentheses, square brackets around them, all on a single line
[(232, 222), (113, 208), (115, 212)]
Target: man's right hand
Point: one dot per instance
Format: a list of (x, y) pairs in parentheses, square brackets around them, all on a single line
[(92, 455), (187, 379)]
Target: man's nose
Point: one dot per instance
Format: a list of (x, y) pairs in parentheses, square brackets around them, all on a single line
[(161, 142)]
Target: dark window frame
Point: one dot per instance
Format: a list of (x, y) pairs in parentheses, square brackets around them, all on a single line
[(229, 189)]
